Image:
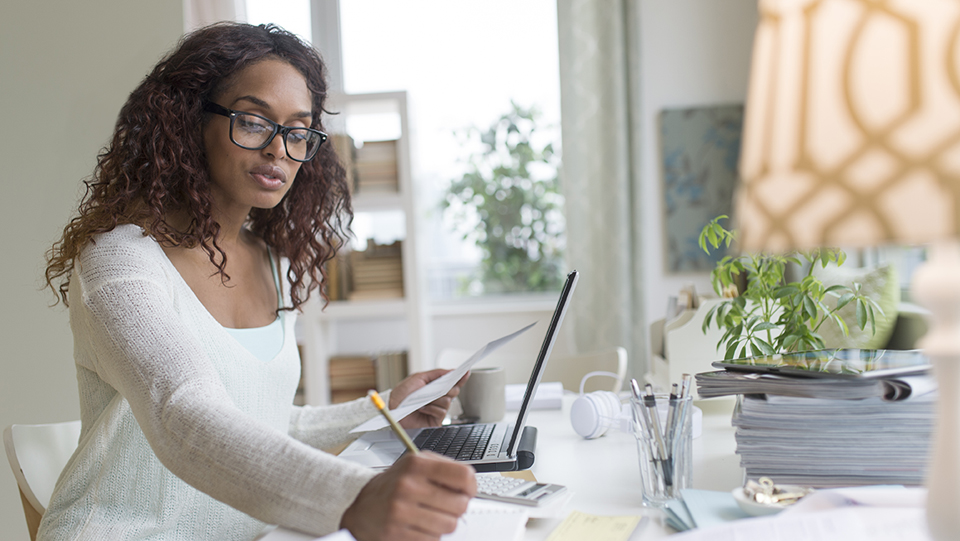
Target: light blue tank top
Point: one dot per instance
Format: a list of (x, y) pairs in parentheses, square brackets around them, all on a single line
[(264, 342)]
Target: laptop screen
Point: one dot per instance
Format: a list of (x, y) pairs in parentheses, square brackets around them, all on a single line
[(545, 350)]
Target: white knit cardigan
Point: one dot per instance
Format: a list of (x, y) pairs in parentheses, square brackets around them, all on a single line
[(186, 435)]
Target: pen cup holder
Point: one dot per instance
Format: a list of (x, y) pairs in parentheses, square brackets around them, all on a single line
[(664, 445)]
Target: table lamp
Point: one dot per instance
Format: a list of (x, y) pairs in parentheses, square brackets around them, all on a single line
[(852, 139)]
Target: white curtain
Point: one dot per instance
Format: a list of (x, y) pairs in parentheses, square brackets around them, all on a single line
[(199, 13), (601, 146)]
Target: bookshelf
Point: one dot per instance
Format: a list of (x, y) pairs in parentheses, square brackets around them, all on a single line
[(386, 312)]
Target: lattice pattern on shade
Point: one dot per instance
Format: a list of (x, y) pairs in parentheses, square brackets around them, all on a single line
[(852, 129)]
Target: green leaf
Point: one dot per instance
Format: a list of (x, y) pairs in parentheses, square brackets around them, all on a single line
[(765, 326), (765, 347), (809, 307), (712, 237), (708, 318), (785, 291), (861, 314), (790, 340), (731, 351), (844, 300)]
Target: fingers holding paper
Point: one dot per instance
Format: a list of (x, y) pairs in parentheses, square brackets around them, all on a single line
[(419, 497), (431, 414)]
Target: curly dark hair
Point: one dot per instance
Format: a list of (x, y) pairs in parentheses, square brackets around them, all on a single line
[(155, 164)]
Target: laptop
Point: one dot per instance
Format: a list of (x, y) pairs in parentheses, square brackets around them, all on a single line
[(498, 446)]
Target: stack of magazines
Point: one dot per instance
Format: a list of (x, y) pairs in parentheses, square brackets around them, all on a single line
[(831, 418)]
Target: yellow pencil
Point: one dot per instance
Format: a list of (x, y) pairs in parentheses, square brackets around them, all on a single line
[(378, 402)]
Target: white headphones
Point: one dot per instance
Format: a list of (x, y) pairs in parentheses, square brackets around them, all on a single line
[(594, 413)]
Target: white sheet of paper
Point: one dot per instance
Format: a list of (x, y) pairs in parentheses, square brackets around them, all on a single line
[(283, 534), (438, 387)]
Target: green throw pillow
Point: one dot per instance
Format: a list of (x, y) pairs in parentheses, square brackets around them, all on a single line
[(882, 284)]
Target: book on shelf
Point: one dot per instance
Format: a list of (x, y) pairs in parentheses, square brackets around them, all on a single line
[(346, 150), (391, 369), (352, 376), (352, 372), (377, 272), (376, 294), (376, 167), (374, 273), (337, 284)]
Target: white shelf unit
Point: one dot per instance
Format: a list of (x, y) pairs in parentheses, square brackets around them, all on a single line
[(370, 326)]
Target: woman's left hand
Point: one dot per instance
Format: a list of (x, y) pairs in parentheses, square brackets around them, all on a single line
[(433, 413)]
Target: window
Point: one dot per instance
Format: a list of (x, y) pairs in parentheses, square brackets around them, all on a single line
[(291, 15), (462, 64)]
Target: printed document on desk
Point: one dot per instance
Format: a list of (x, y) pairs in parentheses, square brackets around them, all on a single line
[(899, 515), (438, 387), (283, 534), (488, 521), (483, 521)]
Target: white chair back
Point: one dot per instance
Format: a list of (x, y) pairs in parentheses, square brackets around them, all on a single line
[(37, 455), (570, 369)]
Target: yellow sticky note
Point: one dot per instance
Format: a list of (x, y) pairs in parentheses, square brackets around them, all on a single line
[(578, 526)]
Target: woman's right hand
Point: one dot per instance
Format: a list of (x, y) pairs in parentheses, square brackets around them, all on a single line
[(420, 497)]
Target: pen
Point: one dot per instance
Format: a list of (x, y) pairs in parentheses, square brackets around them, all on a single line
[(401, 433), (650, 401), (643, 418), (680, 416), (672, 416)]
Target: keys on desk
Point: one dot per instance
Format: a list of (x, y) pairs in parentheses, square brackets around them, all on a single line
[(493, 486)]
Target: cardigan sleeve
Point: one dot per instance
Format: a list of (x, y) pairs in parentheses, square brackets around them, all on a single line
[(145, 352), (326, 427)]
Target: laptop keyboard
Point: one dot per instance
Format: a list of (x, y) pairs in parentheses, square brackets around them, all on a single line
[(468, 442)]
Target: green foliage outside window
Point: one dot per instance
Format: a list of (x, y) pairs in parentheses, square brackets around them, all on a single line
[(509, 204)]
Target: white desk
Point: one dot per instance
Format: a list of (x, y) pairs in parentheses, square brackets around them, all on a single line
[(604, 474)]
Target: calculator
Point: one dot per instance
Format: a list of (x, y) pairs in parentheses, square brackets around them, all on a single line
[(493, 486)]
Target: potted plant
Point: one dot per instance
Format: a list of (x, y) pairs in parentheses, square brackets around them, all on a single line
[(771, 314)]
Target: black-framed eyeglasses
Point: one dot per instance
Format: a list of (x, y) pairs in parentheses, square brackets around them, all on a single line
[(254, 132)]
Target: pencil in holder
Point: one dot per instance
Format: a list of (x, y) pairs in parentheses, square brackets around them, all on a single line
[(664, 446)]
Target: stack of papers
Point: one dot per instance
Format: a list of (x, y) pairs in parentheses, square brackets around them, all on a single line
[(829, 443)]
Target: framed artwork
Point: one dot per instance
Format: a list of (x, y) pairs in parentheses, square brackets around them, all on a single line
[(700, 148)]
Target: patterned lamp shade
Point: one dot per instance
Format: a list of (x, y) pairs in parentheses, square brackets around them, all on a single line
[(852, 128)]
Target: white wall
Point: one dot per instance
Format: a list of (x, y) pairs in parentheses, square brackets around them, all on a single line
[(693, 53), (65, 69)]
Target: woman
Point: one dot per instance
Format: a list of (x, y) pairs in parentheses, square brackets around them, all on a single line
[(204, 228)]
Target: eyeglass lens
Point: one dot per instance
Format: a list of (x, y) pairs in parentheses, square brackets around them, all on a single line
[(253, 132)]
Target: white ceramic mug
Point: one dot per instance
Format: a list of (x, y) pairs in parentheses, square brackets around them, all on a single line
[(482, 397)]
